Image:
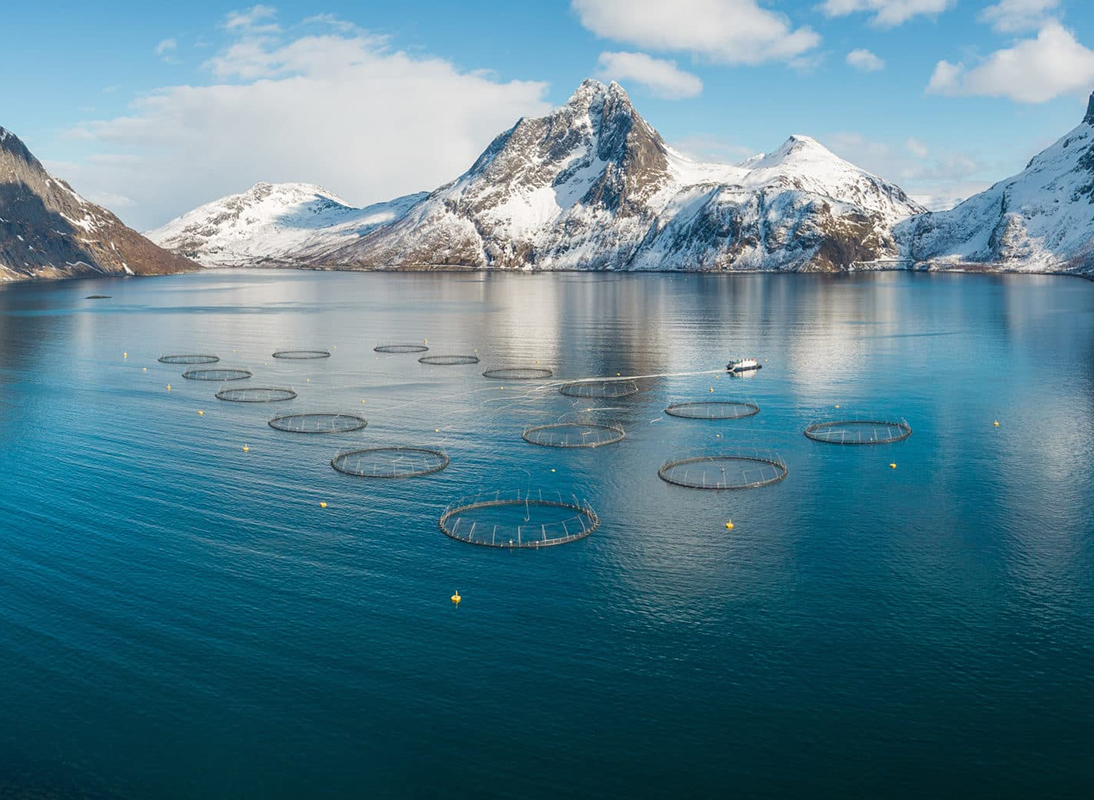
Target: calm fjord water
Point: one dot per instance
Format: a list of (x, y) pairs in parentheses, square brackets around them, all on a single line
[(180, 618)]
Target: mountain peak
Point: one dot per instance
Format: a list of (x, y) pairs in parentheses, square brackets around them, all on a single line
[(1089, 118)]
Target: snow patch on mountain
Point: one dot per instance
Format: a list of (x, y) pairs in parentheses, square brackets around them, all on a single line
[(273, 224)]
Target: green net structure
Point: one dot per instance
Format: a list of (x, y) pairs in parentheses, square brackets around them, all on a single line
[(519, 520), (723, 471), (859, 431), (518, 373), (448, 361), (318, 423), (189, 358), (573, 434), (301, 355), (256, 394), (603, 390), (713, 409), (217, 374), (390, 462), (400, 348)]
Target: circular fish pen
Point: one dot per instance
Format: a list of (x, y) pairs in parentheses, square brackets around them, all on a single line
[(400, 348), (318, 423), (256, 394), (713, 409), (301, 355), (518, 520), (723, 471), (390, 462), (858, 431), (573, 434), (603, 390), (448, 361), (217, 374), (518, 373), (189, 358)]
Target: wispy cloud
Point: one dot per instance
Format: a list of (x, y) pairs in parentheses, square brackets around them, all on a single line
[(660, 77), (865, 61), (886, 13), (1009, 16)]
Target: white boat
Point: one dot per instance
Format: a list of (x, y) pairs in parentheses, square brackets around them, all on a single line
[(743, 365)]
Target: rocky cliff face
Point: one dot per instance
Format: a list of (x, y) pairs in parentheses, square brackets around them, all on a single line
[(49, 231), (1040, 220), (282, 224), (593, 186)]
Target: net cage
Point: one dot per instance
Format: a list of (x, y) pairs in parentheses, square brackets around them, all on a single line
[(400, 348), (318, 423), (448, 361), (301, 355), (573, 434), (522, 520), (256, 394), (713, 409), (217, 374), (189, 358), (860, 431), (390, 462), (724, 471), (518, 373), (604, 390)]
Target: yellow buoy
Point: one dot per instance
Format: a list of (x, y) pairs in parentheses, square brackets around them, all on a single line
[(125, 355), (246, 449), (168, 387), (456, 598), (729, 525), (201, 413), (436, 430), (552, 469), (144, 369), (997, 423), (893, 465), (322, 504), (309, 380), (837, 405)]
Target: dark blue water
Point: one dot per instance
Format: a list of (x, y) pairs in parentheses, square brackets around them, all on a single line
[(180, 618)]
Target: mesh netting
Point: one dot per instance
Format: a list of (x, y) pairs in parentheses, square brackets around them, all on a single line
[(713, 409), (301, 354), (318, 423), (518, 373), (400, 348), (448, 361), (255, 394), (189, 358), (859, 432), (218, 374), (390, 462), (519, 520), (573, 434), (599, 389), (723, 471)]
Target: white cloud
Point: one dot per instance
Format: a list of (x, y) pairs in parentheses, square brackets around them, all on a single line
[(916, 148), (887, 13), (166, 47), (256, 19), (723, 31), (865, 60), (344, 111), (1032, 71), (1009, 16), (660, 76)]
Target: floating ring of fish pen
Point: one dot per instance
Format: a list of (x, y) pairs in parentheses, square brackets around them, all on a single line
[(400, 348), (603, 390), (448, 361), (256, 394), (189, 358), (859, 431), (390, 462), (713, 409), (722, 472), (318, 423), (300, 355), (518, 373), (573, 434), (456, 524), (217, 374)]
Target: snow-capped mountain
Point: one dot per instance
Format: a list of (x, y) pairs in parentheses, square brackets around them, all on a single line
[(1040, 220), (49, 231), (593, 186), (273, 225)]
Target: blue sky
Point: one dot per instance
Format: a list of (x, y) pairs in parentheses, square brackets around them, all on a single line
[(152, 109)]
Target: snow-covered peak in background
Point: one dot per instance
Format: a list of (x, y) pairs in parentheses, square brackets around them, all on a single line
[(272, 224), (1042, 219)]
